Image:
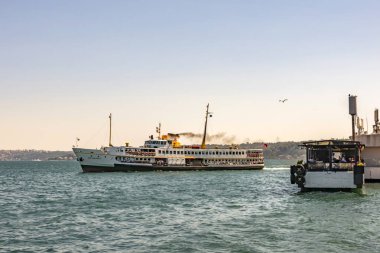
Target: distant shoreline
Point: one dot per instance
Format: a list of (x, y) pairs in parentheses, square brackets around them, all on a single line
[(279, 150)]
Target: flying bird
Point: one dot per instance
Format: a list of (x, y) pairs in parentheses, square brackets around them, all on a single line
[(283, 100)]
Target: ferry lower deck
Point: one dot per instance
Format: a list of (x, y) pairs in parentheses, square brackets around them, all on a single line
[(147, 167)]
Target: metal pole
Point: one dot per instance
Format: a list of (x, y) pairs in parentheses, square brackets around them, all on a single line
[(110, 144), (353, 127), (331, 157)]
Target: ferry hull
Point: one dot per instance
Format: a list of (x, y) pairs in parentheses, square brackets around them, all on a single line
[(135, 168), (330, 180)]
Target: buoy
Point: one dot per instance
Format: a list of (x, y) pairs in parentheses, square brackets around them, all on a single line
[(300, 170), (300, 180)]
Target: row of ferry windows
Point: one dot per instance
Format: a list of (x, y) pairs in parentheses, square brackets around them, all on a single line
[(188, 152), (231, 161), (156, 142)]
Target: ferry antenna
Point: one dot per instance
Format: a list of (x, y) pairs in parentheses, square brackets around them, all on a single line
[(158, 130)]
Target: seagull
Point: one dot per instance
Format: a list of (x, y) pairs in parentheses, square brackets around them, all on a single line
[(283, 101)]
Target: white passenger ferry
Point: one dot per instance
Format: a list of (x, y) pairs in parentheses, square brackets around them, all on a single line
[(165, 153)]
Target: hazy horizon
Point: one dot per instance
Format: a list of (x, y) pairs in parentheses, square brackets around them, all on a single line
[(64, 66)]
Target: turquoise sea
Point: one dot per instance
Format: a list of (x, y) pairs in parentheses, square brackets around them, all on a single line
[(54, 207)]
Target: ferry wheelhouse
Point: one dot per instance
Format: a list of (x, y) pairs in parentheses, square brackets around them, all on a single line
[(330, 164), (166, 153)]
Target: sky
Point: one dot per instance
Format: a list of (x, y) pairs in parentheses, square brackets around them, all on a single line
[(65, 65)]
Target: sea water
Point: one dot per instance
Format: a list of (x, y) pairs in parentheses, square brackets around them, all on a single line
[(54, 207)]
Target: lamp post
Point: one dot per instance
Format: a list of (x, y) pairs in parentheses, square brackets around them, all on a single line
[(352, 112)]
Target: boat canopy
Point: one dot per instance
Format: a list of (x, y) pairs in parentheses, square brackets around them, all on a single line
[(332, 154), (332, 143)]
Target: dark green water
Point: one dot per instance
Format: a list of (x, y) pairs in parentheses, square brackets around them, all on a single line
[(53, 207)]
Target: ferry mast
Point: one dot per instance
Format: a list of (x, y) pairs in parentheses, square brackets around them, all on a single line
[(109, 142), (208, 114)]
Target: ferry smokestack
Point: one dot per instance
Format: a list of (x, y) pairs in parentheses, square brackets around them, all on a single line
[(352, 112)]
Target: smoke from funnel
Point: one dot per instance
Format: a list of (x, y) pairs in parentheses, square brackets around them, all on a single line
[(191, 135), (210, 137)]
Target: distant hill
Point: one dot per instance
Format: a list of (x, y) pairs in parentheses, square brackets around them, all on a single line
[(280, 150)]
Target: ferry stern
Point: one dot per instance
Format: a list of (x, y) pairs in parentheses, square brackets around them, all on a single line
[(330, 165)]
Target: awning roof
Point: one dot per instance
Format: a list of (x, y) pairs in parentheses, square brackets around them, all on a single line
[(332, 143)]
